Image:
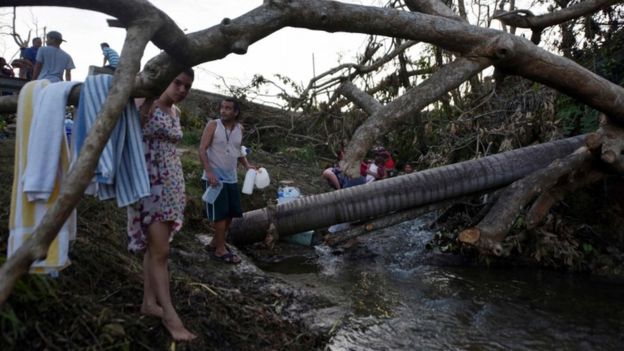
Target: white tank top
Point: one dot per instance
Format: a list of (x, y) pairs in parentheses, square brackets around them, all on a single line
[(224, 151)]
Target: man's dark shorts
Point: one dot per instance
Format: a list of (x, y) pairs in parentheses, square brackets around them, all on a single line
[(227, 204), (346, 182)]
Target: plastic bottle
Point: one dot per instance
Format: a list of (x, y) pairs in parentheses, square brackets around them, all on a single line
[(250, 179), (212, 192), (262, 178), (245, 150)]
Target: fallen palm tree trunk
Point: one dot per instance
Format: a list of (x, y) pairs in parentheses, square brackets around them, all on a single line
[(400, 193)]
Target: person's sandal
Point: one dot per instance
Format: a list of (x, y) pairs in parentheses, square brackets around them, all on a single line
[(229, 258)]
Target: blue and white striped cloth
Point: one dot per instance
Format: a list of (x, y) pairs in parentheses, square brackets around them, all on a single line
[(121, 172), (112, 56)]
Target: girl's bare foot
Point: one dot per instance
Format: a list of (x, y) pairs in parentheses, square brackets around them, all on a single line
[(177, 330), (152, 310)]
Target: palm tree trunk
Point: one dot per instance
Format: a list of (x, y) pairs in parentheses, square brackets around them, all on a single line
[(400, 193)]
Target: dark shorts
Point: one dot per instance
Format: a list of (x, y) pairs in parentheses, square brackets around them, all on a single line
[(346, 182), (227, 204)]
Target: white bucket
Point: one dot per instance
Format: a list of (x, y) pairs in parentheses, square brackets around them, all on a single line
[(262, 178), (250, 179)]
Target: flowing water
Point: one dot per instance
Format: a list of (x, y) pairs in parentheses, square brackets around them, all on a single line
[(391, 298)]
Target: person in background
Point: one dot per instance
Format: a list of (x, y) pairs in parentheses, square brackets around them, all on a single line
[(30, 54), (5, 69), (376, 169), (219, 152), (111, 56), (52, 60), (153, 220), (408, 168), (389, 165), (339, 180)]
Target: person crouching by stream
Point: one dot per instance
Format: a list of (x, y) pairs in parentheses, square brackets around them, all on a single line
[(219, 152), (153, 220), (337, 179)]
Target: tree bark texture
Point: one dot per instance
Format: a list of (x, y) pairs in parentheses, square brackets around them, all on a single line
[(400, 193), (515, 55), (525, 19)]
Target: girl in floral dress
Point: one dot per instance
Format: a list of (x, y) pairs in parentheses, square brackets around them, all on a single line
[(154, 220)]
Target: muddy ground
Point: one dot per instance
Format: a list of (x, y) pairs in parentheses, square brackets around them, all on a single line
[(94, 304)]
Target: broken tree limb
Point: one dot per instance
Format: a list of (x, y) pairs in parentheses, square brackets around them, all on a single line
[(495, 226), (384, 119), (366, 102), (612, 142), (539, 209), (81, 173)]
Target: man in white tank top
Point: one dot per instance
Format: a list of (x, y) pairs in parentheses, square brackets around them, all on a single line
[(219, 152)]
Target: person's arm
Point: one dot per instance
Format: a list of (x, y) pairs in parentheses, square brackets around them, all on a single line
[(381, 172), (204, 144), (36, 70), (145, 108), (243, 160), (68, 75)]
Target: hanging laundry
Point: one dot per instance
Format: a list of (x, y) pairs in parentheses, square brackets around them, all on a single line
[(44, 143), (26, 215), (121, 172)]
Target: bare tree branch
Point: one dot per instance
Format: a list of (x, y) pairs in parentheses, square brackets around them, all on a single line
[(434, 7), (360, 98), (526, 19), (513, 55), (446, 78)]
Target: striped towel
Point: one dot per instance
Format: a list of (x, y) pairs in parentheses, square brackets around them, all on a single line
[(44, 143), (121, 172), (25, 215)]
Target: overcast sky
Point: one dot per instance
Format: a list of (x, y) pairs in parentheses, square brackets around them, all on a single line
[(287, 52)]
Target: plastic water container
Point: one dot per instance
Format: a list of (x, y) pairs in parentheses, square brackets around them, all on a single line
[(212, 192), (262, 178), (245, 150), (250, 180), (287, 193)]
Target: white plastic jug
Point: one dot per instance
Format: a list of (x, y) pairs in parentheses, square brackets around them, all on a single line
[(250, 179), (211, 193), (262, 178)]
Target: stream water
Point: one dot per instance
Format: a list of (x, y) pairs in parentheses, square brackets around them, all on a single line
[(390, 297)]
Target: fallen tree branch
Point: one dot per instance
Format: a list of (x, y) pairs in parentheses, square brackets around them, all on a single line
[(81, 173), (366, 102), (385, 118), (495, 226), (612, 140), (538, 211)]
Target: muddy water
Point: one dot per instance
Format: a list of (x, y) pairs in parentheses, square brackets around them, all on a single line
[(390, 297)]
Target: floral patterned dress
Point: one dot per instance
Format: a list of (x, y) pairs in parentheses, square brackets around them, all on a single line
[(166, 203)]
